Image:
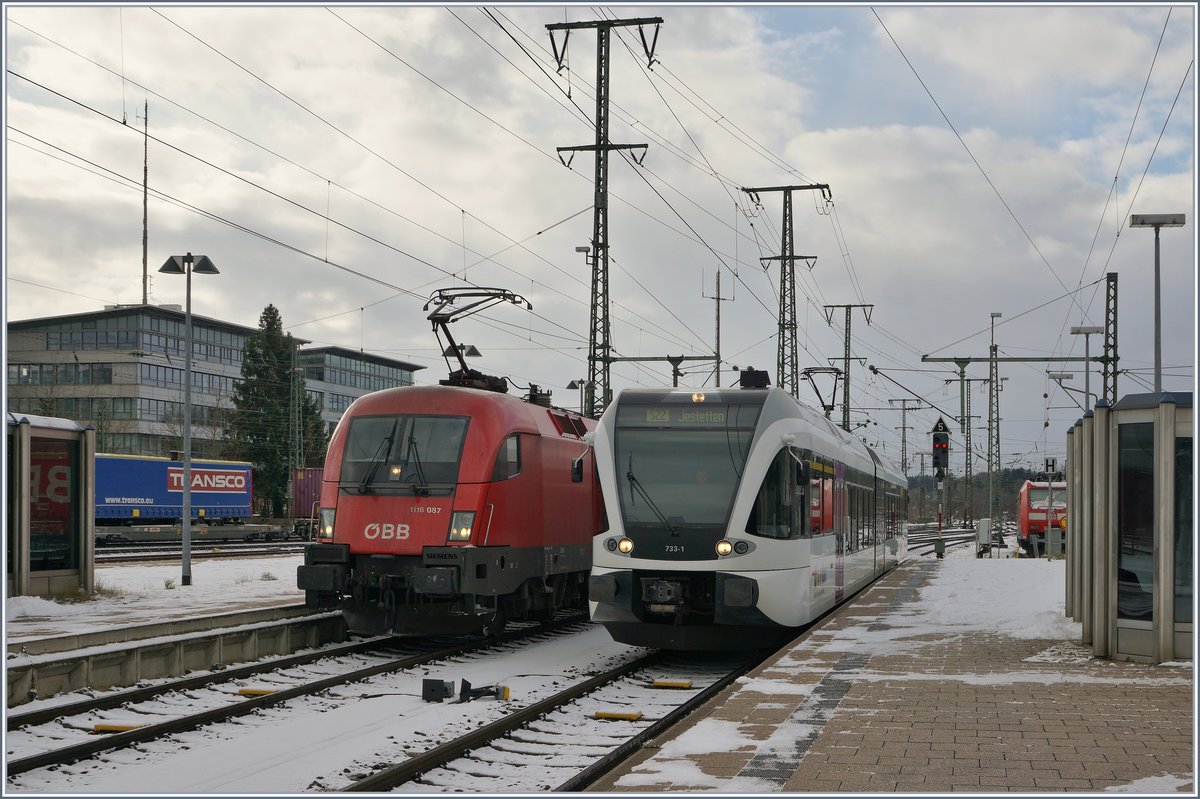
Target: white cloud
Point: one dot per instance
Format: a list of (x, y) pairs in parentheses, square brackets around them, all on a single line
[(1044, 98)]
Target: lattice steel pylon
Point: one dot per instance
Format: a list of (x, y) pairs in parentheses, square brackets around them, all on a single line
[(787, 363), (1110, 339), (993, 431), (846, 358), (600, 328)]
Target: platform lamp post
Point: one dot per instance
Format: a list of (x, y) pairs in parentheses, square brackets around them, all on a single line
[(186, 265), (1157, 221)]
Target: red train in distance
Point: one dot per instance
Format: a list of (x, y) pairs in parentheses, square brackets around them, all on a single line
[(1035, 501), (452, 510)]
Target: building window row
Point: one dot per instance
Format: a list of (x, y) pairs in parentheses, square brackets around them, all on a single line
[(157, 446), (92, 340), (156, 343), (338, 403), (357, 379), (168, 412), (81, 409), (212, 348), (63, 374), (150, 374)]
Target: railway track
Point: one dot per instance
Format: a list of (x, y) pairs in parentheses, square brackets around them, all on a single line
[(66, 733), (545, 737), (148, 552), (566, 741)]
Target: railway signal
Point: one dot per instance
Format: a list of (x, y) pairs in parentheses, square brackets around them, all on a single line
[(941, 446)]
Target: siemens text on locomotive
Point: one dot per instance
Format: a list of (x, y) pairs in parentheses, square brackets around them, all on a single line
[(735, 515), (1039, 502), (450, 510)]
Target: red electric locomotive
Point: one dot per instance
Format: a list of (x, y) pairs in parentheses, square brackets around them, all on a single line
[(1036, 502), (453, 509)]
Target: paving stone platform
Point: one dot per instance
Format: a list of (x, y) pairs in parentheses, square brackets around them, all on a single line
[(862, 705)]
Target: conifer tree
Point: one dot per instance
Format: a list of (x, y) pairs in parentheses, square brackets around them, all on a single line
[(259, 429)]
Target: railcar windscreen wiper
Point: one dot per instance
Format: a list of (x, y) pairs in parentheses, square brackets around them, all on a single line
[(634, 483), (414, 455), (381, 455)]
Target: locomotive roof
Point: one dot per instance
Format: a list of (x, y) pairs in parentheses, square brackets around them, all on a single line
[(459, 400)]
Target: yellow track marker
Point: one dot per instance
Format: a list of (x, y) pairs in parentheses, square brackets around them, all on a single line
[(604, 714), (115, 727), (256, 691), (671, 684)]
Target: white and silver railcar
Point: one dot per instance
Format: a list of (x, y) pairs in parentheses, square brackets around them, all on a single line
[(734, 516)]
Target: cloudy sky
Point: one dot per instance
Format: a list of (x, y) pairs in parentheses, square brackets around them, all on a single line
[(344, 162)]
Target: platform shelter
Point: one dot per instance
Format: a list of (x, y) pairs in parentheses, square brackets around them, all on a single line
[(1130, 530), (50, 517)]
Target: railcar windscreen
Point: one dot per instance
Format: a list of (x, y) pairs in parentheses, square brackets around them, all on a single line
[(680, 466), (403, 450)]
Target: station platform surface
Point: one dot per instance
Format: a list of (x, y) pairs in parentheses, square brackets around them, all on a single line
[(872, 700)]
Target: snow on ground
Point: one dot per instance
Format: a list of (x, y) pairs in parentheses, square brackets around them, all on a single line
[(146, 593), (1022, 598)]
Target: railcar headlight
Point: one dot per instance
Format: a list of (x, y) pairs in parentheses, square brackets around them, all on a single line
[(625, 546), (461, 522), (611, 544), (325, 526), (741, 547), (724, 547)]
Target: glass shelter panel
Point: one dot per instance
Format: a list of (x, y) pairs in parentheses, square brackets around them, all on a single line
[(54, 485), (1185, 531), (1135, 521)]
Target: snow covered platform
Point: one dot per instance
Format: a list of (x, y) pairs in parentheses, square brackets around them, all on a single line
[(956, 675)]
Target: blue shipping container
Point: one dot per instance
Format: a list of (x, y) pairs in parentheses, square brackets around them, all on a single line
[(151, 489)]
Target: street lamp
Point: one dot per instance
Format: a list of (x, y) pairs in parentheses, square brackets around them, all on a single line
[(1087, 333), (580, 384), (186, 265), (1157, 221)]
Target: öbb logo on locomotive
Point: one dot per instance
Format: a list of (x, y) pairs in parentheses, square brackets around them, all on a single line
[(386, 531)]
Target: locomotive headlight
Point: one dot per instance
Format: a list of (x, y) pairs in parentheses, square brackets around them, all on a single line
[(395, 471), (625, 546), (461, 522), (325, 526), (724, 547)]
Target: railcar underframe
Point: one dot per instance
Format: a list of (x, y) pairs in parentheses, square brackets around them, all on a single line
[(453, 590)]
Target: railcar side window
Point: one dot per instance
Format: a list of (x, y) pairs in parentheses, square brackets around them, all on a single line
[(778, 508), (508, 459)]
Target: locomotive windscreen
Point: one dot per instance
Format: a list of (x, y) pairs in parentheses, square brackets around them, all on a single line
[(679, 465), (403, 451)]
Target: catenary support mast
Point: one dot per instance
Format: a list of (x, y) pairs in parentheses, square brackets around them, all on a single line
[(598, 387)]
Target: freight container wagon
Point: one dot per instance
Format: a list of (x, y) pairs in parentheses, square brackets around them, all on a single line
[(306, 499), (137, 489)]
